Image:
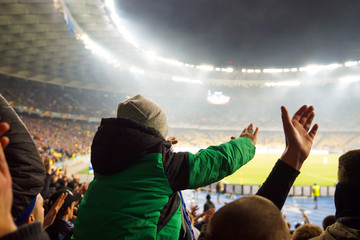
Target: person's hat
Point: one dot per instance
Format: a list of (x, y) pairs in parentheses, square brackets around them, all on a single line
[(145, 111), (70, 198)]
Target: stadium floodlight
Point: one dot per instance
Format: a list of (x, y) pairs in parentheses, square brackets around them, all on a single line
[(293, 69), (286, 70), (317, 68), (351, 63), (171, 61), (229, 70), (151, 55), (243, 70), (283, 84), (136, 71), (119, 23), (251, 70), (187, 80), (217, 69), (273, 70), (257, 70), (349, 79), (205, 67), (288, 84), (98, 50), (270, 84)]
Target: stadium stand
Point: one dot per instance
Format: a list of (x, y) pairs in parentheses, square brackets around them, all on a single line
[(195, 122)]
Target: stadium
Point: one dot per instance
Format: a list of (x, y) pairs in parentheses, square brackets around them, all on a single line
[(66, 64)]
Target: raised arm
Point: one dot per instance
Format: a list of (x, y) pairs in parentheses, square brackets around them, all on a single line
[(189, 171), (298, 138), (299, 141), (7, 224)]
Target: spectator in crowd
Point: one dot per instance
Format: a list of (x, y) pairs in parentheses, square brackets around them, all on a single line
[(306, 231), (219, 190), (328, 221), (209, 204), (26, 167), (255, 217), (347, 199), (62, 228), (8, 229), (252, 217), (37, 213), (131, 158), (205, 218), (306, 220), (316, 194)]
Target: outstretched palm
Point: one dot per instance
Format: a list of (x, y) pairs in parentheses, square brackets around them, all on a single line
[(298, 138)]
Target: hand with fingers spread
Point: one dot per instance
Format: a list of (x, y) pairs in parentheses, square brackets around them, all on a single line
[(50, 217), (7, 224), (298, 138), (249, 133)]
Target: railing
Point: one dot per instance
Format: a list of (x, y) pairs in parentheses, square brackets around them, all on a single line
[(296, 191)]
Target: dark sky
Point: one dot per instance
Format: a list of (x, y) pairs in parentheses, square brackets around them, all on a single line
[(249, 33)]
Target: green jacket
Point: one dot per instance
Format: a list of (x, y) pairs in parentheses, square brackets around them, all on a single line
[(137, 176)]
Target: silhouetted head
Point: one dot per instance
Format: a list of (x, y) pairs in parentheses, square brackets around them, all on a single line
[(306, 231), (248, 218)]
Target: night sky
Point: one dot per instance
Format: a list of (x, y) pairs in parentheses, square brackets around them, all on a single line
[(252, 33)]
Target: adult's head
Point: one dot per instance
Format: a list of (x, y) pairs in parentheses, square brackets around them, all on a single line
[(328, 221), (347, 192), (145, 111), (306, 231), (37, 213), (67, 210), (349, 167), (248, 218)]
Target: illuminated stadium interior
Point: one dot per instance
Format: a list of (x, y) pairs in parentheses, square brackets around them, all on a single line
[(65, 64)]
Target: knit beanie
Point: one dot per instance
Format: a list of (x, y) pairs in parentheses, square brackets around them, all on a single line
[(145, 111)]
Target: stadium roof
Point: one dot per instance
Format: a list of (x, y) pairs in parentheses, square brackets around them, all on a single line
[(256, 33), (78, 43), (37, 44)]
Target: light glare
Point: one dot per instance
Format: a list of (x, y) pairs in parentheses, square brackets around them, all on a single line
[(349, 79)]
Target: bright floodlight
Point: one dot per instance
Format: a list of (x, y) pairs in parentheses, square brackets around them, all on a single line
[(151, 55), (273, 70), (119, 23), (316, 68), (289, 83), (136, 70), (283, 84), (349, 79), (350, 63), (205, 67), (229, 70), (187, 80)]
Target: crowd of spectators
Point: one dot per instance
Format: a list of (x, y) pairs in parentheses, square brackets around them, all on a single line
[(195, 122), (253, 217), (59, 139), (192, 111)]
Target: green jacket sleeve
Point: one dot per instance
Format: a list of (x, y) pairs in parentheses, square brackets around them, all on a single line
[(216, 162)]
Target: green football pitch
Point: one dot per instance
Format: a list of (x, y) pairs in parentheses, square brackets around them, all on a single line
[(321, 169)]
